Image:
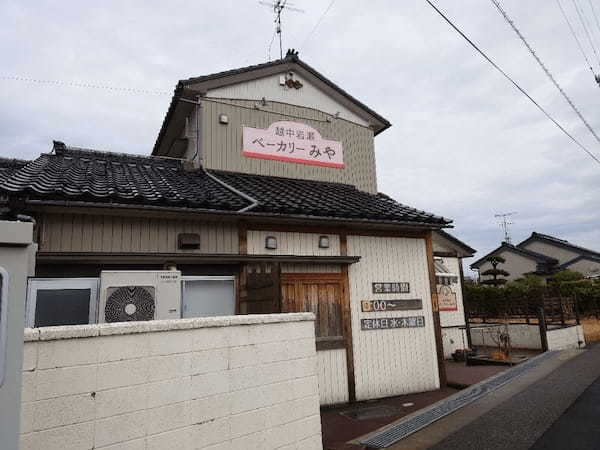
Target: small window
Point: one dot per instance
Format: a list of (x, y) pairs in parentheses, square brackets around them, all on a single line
[(62, 301), (3, 321), (208, 296)]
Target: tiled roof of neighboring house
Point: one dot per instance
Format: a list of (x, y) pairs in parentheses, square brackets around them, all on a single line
[(91, 176), (579, 258), (558, 242), (538, 257)]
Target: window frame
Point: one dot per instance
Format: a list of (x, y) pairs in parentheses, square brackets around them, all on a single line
[(185, 278), (4, 285), (34, 284)]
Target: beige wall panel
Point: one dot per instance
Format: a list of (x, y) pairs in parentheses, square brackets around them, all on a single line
[(515, 265), (333, 376), (112, 234), (454, 318), (289, 243), (562, 254), (396, 361), (268, 87), (585, 267), (222, 144)]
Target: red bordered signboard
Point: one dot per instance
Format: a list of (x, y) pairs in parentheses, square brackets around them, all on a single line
[(447, 298), (292, 142)]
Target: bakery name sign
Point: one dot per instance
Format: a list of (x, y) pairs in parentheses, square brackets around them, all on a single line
[(292, 142)]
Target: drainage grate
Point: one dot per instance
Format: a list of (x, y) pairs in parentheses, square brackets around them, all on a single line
[(414, 424)]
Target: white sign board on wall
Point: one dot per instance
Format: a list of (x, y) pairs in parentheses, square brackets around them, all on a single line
[(292, 142)]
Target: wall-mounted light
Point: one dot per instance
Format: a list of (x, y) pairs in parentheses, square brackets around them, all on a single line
[(271, 242), (224, 119), (323, 241)]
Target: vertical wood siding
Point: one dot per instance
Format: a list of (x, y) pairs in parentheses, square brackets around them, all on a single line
[(269, 88), (290, 243), (332, 376), (222, 144), (454, 318), (111, 234), (396, 361)]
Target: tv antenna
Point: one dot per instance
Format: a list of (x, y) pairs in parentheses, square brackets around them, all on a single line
[(504, 223), (278, 7)]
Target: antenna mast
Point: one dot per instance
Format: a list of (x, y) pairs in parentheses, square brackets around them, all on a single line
[(278, 7), (504, 223)]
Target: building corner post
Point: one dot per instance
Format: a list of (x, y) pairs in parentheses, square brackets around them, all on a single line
[(437, 325)]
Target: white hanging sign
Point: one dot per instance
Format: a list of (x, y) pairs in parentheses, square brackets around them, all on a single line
[(292, 142)]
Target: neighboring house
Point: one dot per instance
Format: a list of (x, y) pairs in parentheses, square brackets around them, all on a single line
[(260, 197), (448, 252), (542, 255)]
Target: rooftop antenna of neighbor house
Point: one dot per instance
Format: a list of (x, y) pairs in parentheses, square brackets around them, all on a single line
[(504, 223), (278, 7)]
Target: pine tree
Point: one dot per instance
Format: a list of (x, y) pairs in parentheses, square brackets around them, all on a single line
[(495, 272)]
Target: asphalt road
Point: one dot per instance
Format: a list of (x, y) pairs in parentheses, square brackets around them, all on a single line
[(523, 420), (579, 427)]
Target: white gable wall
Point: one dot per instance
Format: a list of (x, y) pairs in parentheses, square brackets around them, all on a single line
[(308, 95)]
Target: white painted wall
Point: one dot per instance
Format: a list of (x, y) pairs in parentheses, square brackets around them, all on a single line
[(453, 318), (238, 382), (516, 265), (453, 339), (290, 243), (396, 361), (268, 87), (333, 376)]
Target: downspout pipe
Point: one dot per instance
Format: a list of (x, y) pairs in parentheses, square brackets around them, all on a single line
[(253, 202)]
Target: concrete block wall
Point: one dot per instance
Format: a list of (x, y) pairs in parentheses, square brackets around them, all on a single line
[(239, 382), (564, 338)]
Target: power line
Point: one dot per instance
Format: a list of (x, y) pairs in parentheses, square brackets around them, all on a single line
[(84, 85), (544, 68), (585, 28), (594, 13), (513, 82), (587, 61), (318, 23)]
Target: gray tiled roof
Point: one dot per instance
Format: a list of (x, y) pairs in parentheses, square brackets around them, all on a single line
[(92, 176)]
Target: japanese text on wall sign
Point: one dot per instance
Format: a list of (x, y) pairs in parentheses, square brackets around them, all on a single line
[(400, 287), (292, 142), (392, 322)]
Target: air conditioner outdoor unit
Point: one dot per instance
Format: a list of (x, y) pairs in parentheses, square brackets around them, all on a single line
[(139, 295)]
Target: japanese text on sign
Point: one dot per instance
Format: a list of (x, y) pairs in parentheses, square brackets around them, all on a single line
[(447, 299), (292, 142), (391, 288), (392, 322), (391, 305)]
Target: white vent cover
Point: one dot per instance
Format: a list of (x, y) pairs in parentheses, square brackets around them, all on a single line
[(127, 303)]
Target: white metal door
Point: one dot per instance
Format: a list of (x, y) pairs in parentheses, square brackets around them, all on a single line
[(208, 296)]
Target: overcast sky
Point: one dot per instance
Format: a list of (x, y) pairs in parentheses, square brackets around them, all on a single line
[(464, 143)]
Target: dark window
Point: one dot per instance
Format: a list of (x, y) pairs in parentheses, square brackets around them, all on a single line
[(62, 307)]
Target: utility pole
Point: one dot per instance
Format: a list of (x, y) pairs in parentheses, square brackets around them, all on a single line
[(504, 223), (278, 7)]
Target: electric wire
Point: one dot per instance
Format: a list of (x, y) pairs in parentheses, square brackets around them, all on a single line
[(271, 45), (544, 68), (593, 8), (308, 36), (84, 85), (513, 82), (564, 14), (587, 32)]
